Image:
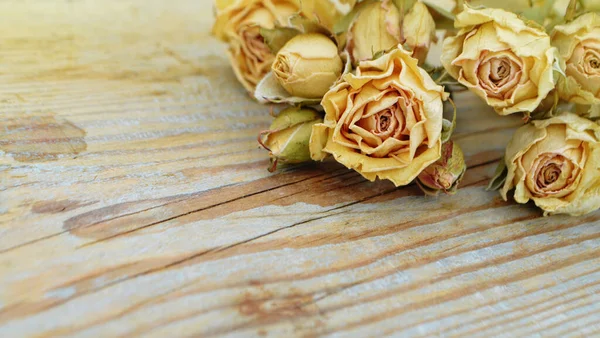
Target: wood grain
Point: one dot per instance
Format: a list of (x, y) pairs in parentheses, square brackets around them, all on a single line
[(134, 201)]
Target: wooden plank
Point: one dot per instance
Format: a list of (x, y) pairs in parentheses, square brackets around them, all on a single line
[(134, 201)]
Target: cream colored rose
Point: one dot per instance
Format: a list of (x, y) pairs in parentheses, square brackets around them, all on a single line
[(501, 59), (556, 163), (239, 23), (307, 65), (384, 121), (578, 44)]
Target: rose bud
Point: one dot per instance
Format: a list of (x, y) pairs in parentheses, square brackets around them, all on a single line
[(376, 28), (578, 44), (419, 30), (307, 65), (446, 173), (288, 136), (555, 163)]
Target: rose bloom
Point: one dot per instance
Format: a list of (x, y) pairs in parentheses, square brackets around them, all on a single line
[(384, 121), (239, 24), (578, 44), (501, 59), (556, 163)]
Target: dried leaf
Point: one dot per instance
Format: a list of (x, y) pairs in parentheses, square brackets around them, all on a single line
[(499, 177), (277, 37), (269, 90)]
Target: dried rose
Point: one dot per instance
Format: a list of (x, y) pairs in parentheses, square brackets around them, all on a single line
[(384, 121), (446, 173), (578, 44), (307, 65), (288, 136), (501, 59), (555, 162)]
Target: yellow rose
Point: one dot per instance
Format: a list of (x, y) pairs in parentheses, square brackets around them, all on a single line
[(307, 65), (384, 121), (555, 163), (578, 44), (239, 24), (501, 59)]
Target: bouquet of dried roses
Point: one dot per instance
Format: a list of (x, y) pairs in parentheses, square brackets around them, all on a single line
[(354, 77)]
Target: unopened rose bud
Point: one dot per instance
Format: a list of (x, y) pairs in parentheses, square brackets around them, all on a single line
[(288, 136), (307, 65), (419, 29), (376, 28), (444, 174)]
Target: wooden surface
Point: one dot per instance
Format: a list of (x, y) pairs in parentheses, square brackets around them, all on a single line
[(134, 201)]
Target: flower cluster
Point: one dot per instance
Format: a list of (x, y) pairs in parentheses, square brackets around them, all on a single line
[(359, 90)]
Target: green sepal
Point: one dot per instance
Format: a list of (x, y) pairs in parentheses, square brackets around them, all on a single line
[(499, 177), (269, 90), (448, 126), (345, 22), (276, 38), (403, 6)]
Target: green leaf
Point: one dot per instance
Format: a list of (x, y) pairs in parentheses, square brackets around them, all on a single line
[(277, 37), (427, 190), (344, 23), (305, 25), (448, 126), (403, 6), (439, 10), (534, 15), (556, 66), (269, 90), (445, 24), (499, 176)]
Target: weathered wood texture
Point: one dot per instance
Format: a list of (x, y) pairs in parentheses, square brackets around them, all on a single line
[(134, 201)]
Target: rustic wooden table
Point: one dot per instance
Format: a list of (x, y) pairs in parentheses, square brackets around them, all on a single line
[(134, 201)]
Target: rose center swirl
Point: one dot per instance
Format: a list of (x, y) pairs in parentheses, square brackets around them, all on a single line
[(500, 70), (592, 60), (390, 117), (384, 121), (554, 175), (255, 43), (498, 75), (549, 174)]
